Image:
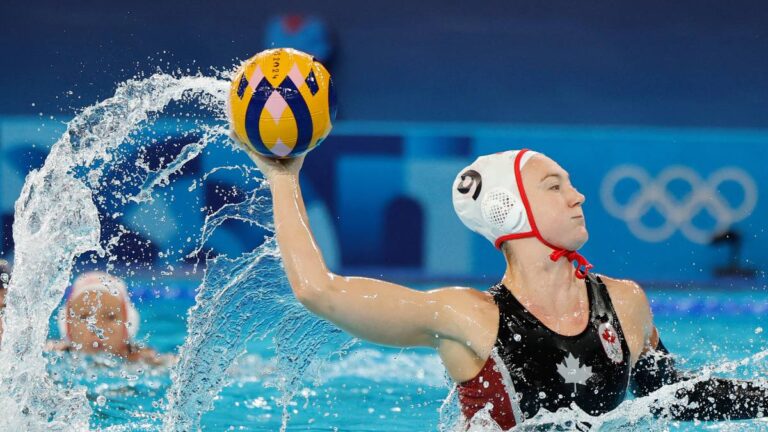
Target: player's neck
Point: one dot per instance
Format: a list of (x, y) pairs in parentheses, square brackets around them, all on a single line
[(533, 276)]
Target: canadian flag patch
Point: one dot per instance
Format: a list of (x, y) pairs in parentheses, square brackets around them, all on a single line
[(611, 343)]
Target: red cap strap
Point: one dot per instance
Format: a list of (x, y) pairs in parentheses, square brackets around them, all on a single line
[(582, 265)]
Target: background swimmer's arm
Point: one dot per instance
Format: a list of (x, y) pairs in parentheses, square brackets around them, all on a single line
[(57, 345), (151, 357), (696, 398), (374, 310)]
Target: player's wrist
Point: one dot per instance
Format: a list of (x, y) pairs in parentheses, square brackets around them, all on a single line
[(282, 180)]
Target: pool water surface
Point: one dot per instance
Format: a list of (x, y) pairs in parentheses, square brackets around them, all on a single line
[(373, 388)]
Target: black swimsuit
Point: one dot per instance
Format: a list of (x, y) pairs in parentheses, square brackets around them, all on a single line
[(543, 369)]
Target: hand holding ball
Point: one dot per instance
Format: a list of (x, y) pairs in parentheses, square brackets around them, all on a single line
[(281, 103)]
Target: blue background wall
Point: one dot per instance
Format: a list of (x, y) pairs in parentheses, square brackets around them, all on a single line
[(424, 87), (379, 196), (655, 62)]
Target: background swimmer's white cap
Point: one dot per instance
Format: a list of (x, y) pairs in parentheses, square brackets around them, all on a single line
[(5, 273), (96, 281), (487, 196)]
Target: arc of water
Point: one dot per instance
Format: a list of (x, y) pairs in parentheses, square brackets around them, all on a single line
[(55, 221)]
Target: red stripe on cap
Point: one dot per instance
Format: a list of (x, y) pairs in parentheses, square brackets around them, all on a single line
[(521, 190), (504, 238)]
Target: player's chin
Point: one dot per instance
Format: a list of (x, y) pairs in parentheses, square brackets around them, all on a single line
[(579, 237)]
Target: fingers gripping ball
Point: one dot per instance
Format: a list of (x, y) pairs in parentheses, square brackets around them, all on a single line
[(282, 103)]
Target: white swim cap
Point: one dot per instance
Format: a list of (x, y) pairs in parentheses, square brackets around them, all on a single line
[(490, 199), (487, 196), (96, 281)]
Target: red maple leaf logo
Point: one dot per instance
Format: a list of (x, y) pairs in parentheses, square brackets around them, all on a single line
[(609, 336)]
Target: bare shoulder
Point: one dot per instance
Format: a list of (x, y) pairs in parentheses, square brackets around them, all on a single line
[(625, 291), (634, 312), (57, 345), (630, 301), (469, 320), (466, 313)]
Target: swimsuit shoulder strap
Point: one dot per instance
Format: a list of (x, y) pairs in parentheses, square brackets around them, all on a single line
[(602, 307), (504, 299)]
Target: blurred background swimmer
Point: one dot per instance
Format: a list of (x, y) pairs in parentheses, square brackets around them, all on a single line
[(5, 277), (99, 317)]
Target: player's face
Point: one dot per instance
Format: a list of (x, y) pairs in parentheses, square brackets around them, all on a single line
[(96, 322), (555, 203)]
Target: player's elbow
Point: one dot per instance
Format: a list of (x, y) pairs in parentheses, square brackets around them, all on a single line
[(313, 289)]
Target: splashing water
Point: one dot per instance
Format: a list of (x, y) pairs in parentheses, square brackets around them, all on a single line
[(56, 220), (238, 299)]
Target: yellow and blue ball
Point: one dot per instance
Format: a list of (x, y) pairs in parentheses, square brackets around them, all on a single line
[(282, 103)]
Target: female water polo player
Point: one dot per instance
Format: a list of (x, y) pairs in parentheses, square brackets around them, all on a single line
[(99, 317), (547, 336)]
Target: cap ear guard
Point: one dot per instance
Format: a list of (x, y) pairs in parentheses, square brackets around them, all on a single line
[(61, 322), (502, 210), (132, 326)]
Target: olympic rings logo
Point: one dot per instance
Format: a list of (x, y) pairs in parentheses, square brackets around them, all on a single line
[(678, 213)]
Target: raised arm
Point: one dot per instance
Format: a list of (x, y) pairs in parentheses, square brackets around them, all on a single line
[(370, 309)]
